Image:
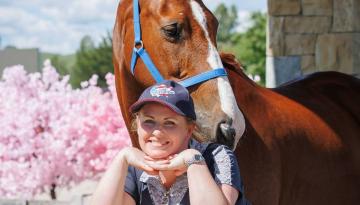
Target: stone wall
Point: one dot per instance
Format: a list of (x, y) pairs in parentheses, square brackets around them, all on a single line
[(306, 36)]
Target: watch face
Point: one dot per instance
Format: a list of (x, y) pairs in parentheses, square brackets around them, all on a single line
[(197, 158)]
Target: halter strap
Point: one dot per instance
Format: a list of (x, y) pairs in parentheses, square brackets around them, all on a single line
[(136, 17), (196, 79), (139, 51)]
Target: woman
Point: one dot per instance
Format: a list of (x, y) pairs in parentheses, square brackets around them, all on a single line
[(171, 167)]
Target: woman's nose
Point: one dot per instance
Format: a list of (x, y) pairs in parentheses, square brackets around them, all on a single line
[(157, 132)]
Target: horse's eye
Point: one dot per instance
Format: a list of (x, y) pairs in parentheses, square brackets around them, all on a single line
[(172, 31)]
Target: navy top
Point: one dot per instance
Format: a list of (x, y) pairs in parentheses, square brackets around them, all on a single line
[(148, 190)]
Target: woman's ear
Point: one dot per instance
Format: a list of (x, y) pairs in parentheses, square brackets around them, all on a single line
[(191, 128)]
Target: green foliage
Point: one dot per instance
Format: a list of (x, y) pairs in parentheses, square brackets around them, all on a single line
[(249, 47), (227, 22), (62, 63), (59, 64), (92, 60)]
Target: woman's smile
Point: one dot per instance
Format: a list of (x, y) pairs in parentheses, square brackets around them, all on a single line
[(161, 131), (157, 143)]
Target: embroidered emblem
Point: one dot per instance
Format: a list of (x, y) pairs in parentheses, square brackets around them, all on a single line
[(161, 90)]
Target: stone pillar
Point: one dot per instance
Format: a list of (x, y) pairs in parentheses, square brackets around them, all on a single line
[(306, 36)]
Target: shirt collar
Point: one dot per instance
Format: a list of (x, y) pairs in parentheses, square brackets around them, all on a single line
[(201, 147)]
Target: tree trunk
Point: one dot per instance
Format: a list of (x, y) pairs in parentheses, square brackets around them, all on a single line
[(52, 192)]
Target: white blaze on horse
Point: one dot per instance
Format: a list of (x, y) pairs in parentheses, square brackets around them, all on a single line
[(298, 144), (227, 98), (218, 115)]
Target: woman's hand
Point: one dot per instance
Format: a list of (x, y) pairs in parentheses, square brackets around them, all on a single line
[(175, 163), (136, 158), (167, 177)]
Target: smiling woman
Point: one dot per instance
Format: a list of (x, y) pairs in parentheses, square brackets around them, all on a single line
[(170, 167)]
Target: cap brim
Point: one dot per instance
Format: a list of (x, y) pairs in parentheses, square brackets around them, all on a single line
[(138, 104)]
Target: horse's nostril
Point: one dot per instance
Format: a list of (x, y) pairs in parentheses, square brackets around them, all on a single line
[(226, 133), (227, 130)]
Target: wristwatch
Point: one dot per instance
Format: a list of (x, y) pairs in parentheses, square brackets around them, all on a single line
[(196, 159)]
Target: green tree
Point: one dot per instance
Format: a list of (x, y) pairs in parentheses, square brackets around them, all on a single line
[(227, 22), (91, 59), (249, 47), (60, 65)]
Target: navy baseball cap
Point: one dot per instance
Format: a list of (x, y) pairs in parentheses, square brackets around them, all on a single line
[(168, 93)]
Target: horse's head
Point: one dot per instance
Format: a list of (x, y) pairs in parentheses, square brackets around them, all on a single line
[(180, 38)]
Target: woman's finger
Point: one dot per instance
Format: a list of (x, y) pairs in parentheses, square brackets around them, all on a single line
[(144, 166), (155, 172), (161, 167), (179, 172), (148, 158), (172, 156), (164, 161), (148, 168)]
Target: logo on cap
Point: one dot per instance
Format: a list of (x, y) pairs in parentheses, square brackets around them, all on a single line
[(161, 90)]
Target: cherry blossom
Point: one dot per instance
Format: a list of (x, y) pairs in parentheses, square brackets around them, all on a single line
[(52, 134)]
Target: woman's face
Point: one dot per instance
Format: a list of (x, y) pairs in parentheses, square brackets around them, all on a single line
[(161, 131)]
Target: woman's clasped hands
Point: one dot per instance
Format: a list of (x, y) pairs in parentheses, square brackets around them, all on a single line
[(167, 169)]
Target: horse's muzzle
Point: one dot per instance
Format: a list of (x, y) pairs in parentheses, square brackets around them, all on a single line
[(226, 133)]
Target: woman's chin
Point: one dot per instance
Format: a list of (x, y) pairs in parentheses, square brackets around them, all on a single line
[(157, 154)]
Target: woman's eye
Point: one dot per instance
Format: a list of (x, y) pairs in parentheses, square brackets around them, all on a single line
[(169, 124), (149, 122)]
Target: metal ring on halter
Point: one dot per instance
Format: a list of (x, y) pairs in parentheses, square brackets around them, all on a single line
[(137, 44)]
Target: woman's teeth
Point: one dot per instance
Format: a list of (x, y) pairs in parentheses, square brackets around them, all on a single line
[(158, 144)]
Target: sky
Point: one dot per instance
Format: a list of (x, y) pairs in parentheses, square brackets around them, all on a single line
[(58, 26)]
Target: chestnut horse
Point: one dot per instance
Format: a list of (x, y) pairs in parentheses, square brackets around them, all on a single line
[(301, 144)]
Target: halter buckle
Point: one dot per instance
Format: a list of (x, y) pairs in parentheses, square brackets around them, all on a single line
[(138, 45)]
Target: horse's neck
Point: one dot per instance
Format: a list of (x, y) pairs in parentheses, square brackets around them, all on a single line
[(259, 105), (255, 151), (249, 96), (128, 92)]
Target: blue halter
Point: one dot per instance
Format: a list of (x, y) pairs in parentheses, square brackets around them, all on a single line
[(139, 50)]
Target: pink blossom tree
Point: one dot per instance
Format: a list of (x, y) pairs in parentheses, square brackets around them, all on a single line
[(52, 135)]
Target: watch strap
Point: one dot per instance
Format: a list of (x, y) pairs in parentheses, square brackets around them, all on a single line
[(196, 159)]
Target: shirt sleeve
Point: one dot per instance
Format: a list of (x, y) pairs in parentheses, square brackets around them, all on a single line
[(225, 168), (131, 184)]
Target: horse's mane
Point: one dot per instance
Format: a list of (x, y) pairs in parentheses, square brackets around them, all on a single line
[(229, 61)]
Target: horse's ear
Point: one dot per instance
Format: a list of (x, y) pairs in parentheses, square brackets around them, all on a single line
[(229, 61)]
